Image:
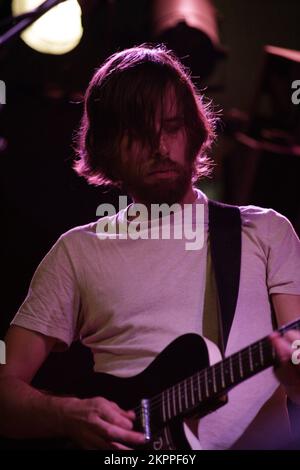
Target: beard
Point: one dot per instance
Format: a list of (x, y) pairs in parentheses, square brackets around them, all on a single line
[(154, 190)]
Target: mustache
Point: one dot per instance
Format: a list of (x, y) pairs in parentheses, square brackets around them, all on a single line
[(164, 166)]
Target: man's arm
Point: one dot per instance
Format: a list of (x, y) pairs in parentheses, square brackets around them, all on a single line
[(287, 309), (27, 413), (21, 404)]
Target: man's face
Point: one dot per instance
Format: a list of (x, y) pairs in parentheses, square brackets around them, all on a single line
[(162, 175)]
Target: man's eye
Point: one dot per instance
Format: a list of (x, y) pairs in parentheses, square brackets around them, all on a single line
[(172, 128)]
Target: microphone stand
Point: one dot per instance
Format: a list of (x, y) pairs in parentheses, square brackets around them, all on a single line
[(25, 20)]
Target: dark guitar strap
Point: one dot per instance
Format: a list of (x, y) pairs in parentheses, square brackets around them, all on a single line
[(224, 248), (225, 251), (222, 284)]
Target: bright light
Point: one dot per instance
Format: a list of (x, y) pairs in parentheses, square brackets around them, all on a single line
[(56, 32)]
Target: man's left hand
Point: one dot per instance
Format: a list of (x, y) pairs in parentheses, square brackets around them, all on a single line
[(287, 372)]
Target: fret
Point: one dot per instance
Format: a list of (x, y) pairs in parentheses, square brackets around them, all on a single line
[(174, 401), (256, 357), (269, 353), (273, 352), (226, 371), (179, 397), (241, 369), (261, 353), (192, 390), (250, 358), (214, 379), (186, 395), (206, 383), (168, 404), (199, 387), (164, 408), (222, 375), (231, 369)]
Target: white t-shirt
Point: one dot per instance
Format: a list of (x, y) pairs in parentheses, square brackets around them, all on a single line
[(128, 299)]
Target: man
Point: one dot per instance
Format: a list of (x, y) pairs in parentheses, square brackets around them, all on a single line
[(146, 129)]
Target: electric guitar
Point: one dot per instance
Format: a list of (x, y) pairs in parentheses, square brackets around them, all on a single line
[(171, 390)]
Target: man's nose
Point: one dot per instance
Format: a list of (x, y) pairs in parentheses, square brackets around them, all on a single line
[(163, 149)]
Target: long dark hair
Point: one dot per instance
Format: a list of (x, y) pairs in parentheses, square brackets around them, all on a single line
[(123, 96)]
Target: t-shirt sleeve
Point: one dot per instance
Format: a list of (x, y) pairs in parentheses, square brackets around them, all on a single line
[(283, 268), (53, 301)]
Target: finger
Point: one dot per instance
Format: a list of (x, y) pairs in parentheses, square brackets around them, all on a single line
[(131, 414), (282, 347), (292, 335), (115, 417), (127, 413), (116, 433)]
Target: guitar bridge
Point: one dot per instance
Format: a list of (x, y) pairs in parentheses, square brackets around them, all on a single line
[(145, 419)]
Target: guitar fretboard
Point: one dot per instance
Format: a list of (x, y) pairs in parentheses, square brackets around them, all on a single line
[(214, 381)]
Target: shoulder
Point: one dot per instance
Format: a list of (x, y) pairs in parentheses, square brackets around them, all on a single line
[(256, 218), (87, 235), (78, 234), (263, 218), (268, 228)]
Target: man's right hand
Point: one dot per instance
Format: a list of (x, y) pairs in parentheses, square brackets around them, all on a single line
[(97, 423), (93, 423)]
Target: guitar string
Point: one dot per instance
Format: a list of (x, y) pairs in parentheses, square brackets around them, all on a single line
[(157, 400), (265, 342)]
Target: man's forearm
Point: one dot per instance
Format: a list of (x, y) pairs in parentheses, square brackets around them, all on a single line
[(27, 413)]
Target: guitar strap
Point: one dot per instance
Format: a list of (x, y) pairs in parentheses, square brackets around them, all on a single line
[(222, 284), (223, 271)]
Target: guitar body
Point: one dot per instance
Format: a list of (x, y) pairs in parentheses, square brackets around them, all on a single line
[(182, 358)]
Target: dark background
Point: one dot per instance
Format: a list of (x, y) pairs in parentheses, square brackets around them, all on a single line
[(41, 196)]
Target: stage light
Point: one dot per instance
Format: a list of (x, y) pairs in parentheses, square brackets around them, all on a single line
[(57, 32), (190, 28)]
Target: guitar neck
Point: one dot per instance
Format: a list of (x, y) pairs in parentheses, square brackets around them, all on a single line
[(214, 381)]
